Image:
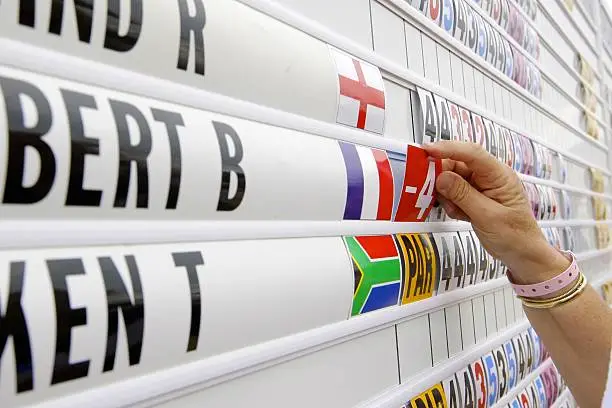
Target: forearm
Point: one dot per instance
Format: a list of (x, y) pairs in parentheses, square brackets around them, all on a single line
[(577, 335), (576, 327)]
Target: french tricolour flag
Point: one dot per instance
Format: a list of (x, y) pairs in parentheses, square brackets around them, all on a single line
[(369, 193)]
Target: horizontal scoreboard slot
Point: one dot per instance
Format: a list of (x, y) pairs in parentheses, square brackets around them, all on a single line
[(118, 312), (163, 305), (87, 76), (244, 109), (160, 176), (45, 234)]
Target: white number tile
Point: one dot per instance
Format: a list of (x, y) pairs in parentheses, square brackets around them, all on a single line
[(479, 87), (535, 121), (540, 128), (453, 330), (509, 301), (499, 103), (430, 59), (414, 346), (582, 208), (414, 49), (389, 37), (437, 331), (575, 114), (480, 324), (457, 75), (489, 94), (519, 313), (529, 111), (579, 176), (398, 112), (525, 107), (550, 127), (468, 79), (467, 324), (444, 67), (506, 100), (490, 314), (500, 310), (590, 240), (516, 108)]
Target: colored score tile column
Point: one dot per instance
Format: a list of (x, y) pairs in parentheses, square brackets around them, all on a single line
[(420, 264), (391, 270)]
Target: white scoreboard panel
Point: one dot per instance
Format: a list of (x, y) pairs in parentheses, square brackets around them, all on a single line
[(225, 202)]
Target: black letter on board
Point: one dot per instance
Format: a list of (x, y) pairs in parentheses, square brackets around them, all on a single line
[(84, 16), (230, 164), (66, 318), (27, 12), (115, 41), (129, 153), (193, 25), (13, 324), (172, 121), (190, 260), (20, 137), (80, 146), (117, 297)]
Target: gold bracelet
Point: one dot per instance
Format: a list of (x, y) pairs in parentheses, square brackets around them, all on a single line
[(575, 286), (578, 287), (556, 302)]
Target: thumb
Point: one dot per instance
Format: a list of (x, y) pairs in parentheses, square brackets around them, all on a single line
[(457, 190)]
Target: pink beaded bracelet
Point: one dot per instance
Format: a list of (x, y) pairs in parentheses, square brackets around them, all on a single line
[(559, 282)]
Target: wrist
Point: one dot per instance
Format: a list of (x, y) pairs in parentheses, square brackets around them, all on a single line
[(543, 262)]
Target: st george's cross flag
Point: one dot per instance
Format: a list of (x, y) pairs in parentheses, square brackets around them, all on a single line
[(361, 99), (377, 270), (369, 178)]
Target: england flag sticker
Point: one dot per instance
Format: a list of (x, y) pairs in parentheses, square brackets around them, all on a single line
[(361, 99)]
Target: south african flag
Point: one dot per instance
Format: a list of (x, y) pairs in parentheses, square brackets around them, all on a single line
[(377, 269)]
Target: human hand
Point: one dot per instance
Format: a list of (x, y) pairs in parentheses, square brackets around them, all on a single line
[(476, 187)]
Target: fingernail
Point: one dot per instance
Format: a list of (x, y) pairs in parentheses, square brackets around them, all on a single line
[(444, 183)]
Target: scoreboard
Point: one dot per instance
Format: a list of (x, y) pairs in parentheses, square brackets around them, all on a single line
[(226, 203)]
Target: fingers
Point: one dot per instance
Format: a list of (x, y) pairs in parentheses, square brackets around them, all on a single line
[(454, 212), (466, 198), (472, 154), (457, 167)]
